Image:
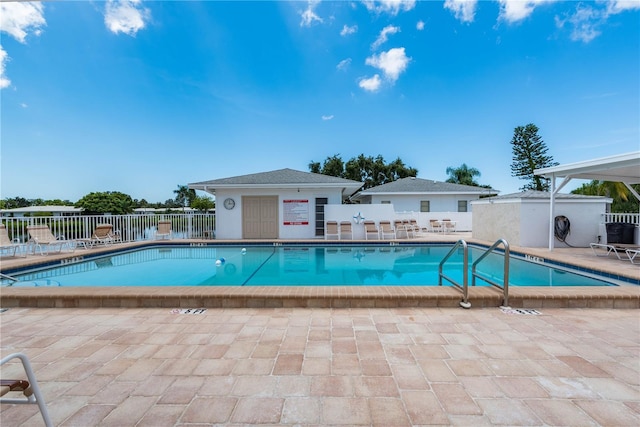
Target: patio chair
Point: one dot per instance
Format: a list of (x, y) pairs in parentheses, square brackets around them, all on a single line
[(103, 233), (41, 237), (370, 230), (618, 249), (164, 230), (401, 228), (435, 225), (8, 245), (331, 230), (448, 226), (345, 229), (28, 390), (386, 230)]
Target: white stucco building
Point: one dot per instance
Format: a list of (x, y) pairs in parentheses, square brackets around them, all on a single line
[(523, 218), (280, 204)]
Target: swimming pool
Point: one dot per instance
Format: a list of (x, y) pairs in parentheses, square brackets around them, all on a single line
[(292, 265)]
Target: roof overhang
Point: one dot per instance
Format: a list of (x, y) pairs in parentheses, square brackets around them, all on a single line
[(621, 168)]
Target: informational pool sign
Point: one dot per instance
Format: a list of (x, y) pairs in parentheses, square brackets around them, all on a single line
[(295, 212)]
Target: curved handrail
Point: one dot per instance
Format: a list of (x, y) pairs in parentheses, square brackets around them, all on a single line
[(465, 272), (505, 286)]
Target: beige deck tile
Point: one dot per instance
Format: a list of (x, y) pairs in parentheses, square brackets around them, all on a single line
[(89, 415), (256, 386), (160, 415), (301, 411), (288, 364), (388, 412), (209, 410), (181, 391), (608, 413), (409, 377), (503, 412), (455, 399), (337, 386), (346, 364), (520, 388), (424, 408), (258, 410), (560, 412), (316, 366), (345, 411)]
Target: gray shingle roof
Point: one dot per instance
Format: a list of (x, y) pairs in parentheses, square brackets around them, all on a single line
[(418, 185), (280, 177)]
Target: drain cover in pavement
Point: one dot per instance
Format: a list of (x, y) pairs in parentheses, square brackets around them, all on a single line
[(527, 311), (188, 311)]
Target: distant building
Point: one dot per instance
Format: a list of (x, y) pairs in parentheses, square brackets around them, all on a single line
[(41, 210)]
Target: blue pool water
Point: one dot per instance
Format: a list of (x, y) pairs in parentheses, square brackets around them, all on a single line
[(292, 266)]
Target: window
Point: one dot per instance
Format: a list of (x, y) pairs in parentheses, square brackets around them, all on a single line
[(462, 206), (385, 202), (425, 206)]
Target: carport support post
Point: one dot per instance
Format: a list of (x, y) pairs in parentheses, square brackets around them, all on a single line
[(552, 207)]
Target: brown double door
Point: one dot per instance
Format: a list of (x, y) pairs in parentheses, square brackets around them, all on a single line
[(260, 217)]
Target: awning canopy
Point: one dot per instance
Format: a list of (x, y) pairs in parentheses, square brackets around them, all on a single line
[(623, 168)]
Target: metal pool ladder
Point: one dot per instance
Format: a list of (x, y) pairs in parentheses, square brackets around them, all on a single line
[(465, 272), (464, 287), (505, 286)]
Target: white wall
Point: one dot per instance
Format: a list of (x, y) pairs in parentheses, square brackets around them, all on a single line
[(437, 202), (229, 222), (524, 222)]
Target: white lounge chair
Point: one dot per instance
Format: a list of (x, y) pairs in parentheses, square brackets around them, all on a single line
[(25, 391), (370, 230), (8, 245), (386, 230), (331, 230), (164, 230), (618, 249), (345, 229), (41, 237)]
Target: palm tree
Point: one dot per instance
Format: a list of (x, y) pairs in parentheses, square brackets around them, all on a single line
[(184, 195), (462, 175)]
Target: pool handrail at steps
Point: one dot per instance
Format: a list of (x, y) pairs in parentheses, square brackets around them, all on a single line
[(505, 287), (465, 272)]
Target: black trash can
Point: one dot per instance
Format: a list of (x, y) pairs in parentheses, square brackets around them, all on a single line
[(628, 231), (614, 232)]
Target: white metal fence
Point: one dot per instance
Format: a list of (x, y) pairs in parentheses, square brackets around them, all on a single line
[(131, 227), (628, 218)]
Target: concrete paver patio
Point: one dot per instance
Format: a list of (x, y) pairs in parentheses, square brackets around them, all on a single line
[(306, 366)]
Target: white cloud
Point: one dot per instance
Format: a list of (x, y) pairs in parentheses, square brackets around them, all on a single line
[(348, 30), (344, 64), (382, 38), (392, 7), (372, 84), (24, 105), (584, 23), (19, 18), (420, 26), (587, 20), (325, 118), (463, 10), (4, 80), (617, 6), (309, 15), (125, 16), (517, 10), (392, 62)]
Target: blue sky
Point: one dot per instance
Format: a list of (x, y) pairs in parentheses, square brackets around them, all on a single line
[(141, 96)]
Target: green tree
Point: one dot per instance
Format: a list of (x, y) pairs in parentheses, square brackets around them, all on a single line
[(622, 202), (184, 195), (463, 175), (366, 169), (112, 202), (530, 153), (203, 203)]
